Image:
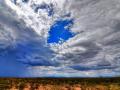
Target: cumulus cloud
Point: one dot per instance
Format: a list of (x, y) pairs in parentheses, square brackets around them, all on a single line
[(93, 50)]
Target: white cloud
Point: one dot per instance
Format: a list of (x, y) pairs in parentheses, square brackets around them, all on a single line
[(97, 43)]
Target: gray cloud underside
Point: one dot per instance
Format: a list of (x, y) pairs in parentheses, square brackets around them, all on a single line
[(94, 51)]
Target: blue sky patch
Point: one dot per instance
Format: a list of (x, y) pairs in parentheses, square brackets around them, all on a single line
[(60, 31)]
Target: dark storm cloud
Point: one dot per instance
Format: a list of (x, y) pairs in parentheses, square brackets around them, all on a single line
[(78, 57), (82, 68)]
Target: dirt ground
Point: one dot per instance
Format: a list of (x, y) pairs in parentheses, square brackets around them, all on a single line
[(78, 87), (59, 84)]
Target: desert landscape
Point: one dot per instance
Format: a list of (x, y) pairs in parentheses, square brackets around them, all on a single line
[(60, 83)]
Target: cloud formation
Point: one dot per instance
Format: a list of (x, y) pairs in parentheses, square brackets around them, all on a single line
[(93, 51)]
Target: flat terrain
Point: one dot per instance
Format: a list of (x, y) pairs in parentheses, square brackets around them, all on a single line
[(60, 83)]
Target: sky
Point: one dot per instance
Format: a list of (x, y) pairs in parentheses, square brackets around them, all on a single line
[(59, 38), (58, 32)]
